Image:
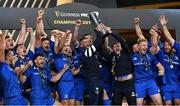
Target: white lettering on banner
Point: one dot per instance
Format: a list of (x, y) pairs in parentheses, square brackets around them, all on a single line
[(64, 14)]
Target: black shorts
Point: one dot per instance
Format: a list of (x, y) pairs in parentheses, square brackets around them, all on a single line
[(124, 89)]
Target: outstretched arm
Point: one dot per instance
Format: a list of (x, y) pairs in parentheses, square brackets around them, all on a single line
[(2, 47), (39, 28), (22, 33), (106, 39), (33, 40), (75, 34), (98, 42), (60, 40), (138, 29), (154, 39), (163, 20)]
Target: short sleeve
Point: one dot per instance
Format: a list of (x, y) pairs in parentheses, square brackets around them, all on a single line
[(28, 72), (176, 46), (17, 64), (49, 77), (30, 55)]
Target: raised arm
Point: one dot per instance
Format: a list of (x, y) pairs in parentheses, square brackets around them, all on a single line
[(2, 47), (98, 41), (22, 33), (138, 29), (106, 40), (33, 39), (154, 39), (163, 20), (75, 34), (61, 39), (39, 28)]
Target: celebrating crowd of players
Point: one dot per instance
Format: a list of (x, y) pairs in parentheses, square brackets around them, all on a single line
[(51, 72)]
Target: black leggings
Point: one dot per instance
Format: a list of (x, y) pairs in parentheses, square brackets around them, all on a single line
[(124, 89)]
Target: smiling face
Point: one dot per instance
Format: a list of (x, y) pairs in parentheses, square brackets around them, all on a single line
[(40, 61), (117, 48), (143, 46), (167, 47), (87, 41), (9, 43), (45, 45), (67, 50)]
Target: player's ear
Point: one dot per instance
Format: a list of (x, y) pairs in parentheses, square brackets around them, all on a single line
[(35, 61)]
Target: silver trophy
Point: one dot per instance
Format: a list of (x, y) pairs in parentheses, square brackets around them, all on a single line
[(95, 20)]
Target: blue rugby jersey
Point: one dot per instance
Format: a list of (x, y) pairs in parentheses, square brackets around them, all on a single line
[(171, 63), (60, 60), (10, 86), (141, 74), (39, 81)]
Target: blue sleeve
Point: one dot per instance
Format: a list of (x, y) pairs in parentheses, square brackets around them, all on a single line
[(149, 44), (52, 47), (30, 55), (52, 44), (38, 50), (17, 64), (4, 74), (160, 56), (49, 77), (28, 72), (77, 61), (78, 50), (154, 60), (176, 46)]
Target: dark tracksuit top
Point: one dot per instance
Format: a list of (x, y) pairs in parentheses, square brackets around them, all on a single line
[(89, 58), (123, 63)]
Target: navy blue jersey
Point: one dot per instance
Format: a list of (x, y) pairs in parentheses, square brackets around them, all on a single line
[(143, 72), (60, 60), (10, 86), (39, 81), (171, 63)]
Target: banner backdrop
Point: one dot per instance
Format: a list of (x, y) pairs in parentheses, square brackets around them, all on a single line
[(63, 17)]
